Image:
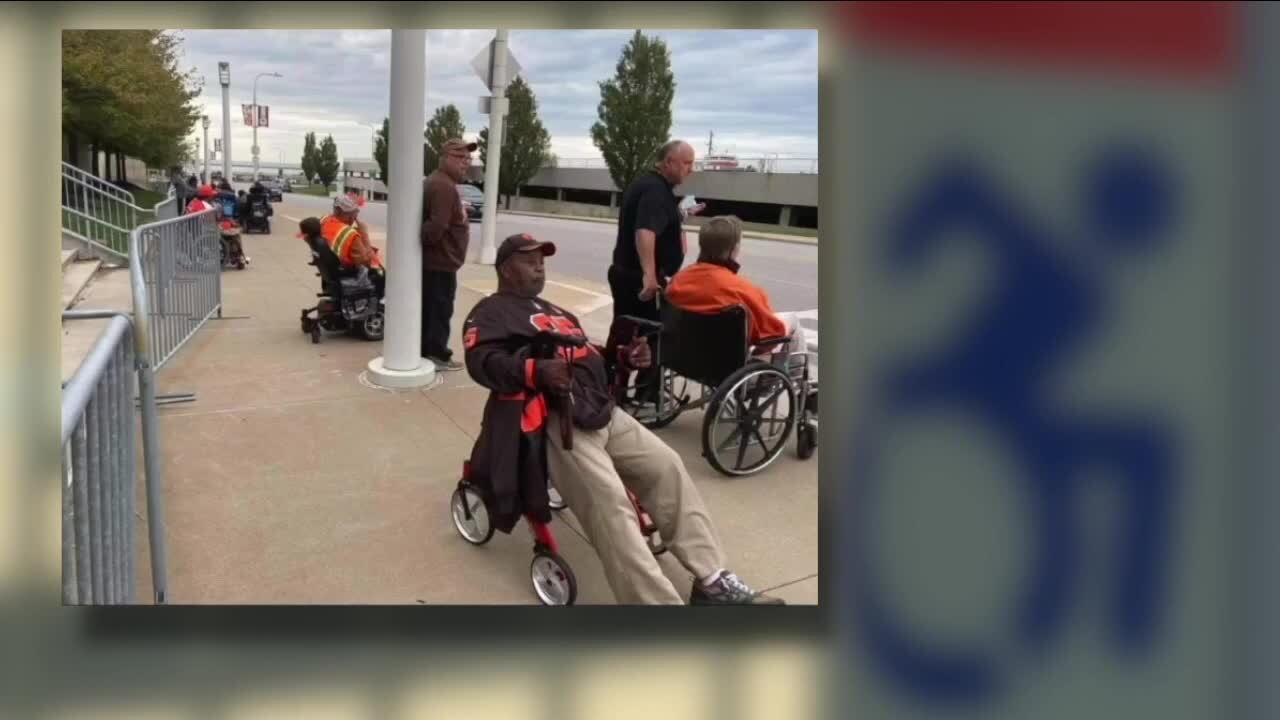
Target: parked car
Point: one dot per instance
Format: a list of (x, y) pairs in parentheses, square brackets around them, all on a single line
[(472, 201), (274, 188)]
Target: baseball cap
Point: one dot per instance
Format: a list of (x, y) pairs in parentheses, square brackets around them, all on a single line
[(522, 242), (348, 203), (459, 144)]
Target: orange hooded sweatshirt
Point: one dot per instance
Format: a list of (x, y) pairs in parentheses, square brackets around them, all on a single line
[(709, 287)]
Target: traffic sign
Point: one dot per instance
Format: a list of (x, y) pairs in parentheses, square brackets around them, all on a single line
[(483, 64)]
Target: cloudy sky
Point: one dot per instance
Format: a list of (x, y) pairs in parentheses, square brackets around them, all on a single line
[(756, 89)]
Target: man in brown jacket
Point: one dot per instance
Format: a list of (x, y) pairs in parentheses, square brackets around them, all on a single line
[(445, 234)]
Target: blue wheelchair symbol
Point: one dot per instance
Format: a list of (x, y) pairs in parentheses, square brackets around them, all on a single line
[(1043, 306)]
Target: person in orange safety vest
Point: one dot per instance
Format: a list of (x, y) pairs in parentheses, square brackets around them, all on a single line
[(348, 237)]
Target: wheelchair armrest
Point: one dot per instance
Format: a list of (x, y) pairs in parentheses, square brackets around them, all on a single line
[(642, 323), (772, 342)]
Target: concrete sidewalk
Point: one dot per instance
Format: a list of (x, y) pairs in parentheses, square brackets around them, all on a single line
[(292, 480)]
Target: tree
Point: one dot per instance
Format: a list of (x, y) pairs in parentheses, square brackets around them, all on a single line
[(381, 141), (122, 91), (327, 165), (446, 123), (526, 144), (310, 157), (635, 109)]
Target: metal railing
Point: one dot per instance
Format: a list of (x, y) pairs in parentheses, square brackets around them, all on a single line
[(99, 470), (101, 214), (761, 164), (97, 212), (178, 264)]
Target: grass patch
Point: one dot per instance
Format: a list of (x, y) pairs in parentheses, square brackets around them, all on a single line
[(144, 198), (314, 190)]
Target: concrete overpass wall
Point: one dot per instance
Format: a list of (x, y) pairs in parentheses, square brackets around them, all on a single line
[(794, 189), (755, 187)]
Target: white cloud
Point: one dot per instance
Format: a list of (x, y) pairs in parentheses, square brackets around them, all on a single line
[(757, 90)]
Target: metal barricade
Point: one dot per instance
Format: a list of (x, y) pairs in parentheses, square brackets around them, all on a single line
[(98, 470), (179, 264)]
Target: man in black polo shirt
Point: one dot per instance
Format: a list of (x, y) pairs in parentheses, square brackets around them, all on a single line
[(650, 246)]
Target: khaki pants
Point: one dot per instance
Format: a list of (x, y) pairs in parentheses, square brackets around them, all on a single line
[(591, 480)]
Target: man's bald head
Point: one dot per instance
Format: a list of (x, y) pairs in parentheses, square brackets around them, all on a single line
[(675, 161)]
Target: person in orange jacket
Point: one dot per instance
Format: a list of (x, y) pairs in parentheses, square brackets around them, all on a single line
[(713, 284)]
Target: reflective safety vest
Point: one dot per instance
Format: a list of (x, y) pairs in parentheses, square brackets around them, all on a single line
[(340, 237)]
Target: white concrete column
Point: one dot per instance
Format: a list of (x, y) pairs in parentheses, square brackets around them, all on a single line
[(493, 153), (401, 364)]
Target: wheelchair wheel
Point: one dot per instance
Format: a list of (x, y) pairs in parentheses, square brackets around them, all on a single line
[(372, 326), (670, 402), (315, 333), (749, 419), (553, 580), (306, 323), (470, 516)]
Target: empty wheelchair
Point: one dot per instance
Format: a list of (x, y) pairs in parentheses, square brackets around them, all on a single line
[(349, 300), (752, 405)]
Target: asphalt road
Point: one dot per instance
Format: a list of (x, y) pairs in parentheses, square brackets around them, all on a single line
[(787, 271)]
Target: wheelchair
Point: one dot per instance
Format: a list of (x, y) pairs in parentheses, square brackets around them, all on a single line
[(257, 215), (752, 406), (349, 300), (550, 574)]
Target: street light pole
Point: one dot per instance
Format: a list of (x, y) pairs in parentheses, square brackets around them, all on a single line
[(402, 364), (204, 176), (493, 155), (255, 118), (224, 78)]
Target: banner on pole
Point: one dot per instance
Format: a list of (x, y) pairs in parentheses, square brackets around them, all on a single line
[(263, 115)]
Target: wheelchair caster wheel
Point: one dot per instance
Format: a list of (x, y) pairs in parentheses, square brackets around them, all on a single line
[(806, 441), (554, 500), (470, 516), (306, 324), (315, 333), (372, 326), (553, 581)]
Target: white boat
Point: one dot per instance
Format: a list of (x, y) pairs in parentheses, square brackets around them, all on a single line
[(714, 163)]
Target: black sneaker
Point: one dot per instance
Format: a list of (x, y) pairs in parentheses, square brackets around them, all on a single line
[(729, 590)]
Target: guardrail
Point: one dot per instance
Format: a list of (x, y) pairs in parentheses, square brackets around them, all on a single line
[(98, 469), (102, 215), (178, 264), (763, 164)]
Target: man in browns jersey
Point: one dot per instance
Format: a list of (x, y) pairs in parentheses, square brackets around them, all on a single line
[(611, 450)]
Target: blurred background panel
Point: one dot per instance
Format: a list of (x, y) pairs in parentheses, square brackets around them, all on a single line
[(1047, 213)]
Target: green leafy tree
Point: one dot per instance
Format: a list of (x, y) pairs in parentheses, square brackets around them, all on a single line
[(635, 109), (122, 92), (310, 157), (327, 165), (381, 142), (526, 144), (444, 124)]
